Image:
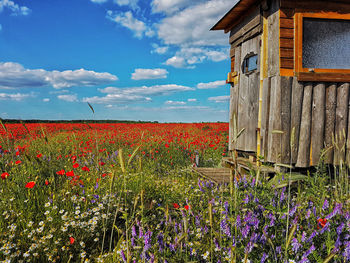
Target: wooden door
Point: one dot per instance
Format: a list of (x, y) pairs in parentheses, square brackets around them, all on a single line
[(248, 96)]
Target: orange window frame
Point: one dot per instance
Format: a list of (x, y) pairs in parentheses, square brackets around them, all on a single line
[(317, 74)]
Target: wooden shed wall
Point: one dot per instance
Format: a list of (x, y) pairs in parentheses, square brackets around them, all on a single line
[(307, 118), (299, 119)]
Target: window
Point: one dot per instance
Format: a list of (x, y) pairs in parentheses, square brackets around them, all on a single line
[(326, 43), (322, 49), (250, 63)]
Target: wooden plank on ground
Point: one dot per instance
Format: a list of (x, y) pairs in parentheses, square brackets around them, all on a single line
[(297, 103), (331, 102), (217, 175), (341, 122), (303, 159), (318, 122)]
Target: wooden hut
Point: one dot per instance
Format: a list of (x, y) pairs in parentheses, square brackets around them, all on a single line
[(290, 75)]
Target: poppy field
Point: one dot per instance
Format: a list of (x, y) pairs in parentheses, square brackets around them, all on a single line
[(93, 192)]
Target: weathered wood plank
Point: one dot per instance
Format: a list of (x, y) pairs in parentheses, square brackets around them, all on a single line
[(256, 31), (331, 102), (287, 42), (317, 5), (318, 122), (242, 121), (297, 102), (253, 112), (286, 32), (347, 154), (238, 33), (265, 117), (303, 159), (231, 117), (286, 97), (286, 23), (341, 122), (274, 145), (287, 52), (273, 44), (287, 63)]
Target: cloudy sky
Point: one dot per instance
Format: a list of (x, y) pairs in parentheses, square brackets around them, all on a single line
[(130, 59)]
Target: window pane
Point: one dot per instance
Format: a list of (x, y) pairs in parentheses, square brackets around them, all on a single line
[(252, 63), (326, 43)]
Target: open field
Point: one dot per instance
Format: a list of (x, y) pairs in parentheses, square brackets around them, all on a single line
[(127, 193)]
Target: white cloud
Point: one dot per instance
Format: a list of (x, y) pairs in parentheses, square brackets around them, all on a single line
[(177, 62), (99, 1), (142, 73), (15, 96), (191, 25), (69, 97), (159, 49), (14, 8), (192, 100), (170, 6), (156, 90), (127, 20), (117, 98), (219, 99), (46, 100), (131, 3), (187, 56), (187, 108), (211, 85), (170, 102), (135, 94), (14, 75)]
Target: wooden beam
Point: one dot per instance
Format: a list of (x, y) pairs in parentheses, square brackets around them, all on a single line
[(341, 122), (303, 159), (318, 122), (331, 102), (297, 102), (323, 77)]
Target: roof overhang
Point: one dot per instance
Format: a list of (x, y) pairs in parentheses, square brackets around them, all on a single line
[(235, 14)]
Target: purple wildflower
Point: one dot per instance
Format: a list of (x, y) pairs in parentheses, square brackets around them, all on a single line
[(340, 228), (160, 240), (346, 252), (123, 256), (225, 228), (325, 205), (264, 257), (295, 245)]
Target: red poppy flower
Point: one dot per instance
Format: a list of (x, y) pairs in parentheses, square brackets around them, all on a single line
[(321, 222), (186, 207), (101, 163), (4, 176), (39, 155), (17, 153), (70, 173), (85, 168), (62, 172), (30, 184), (47, 182), (176, 205), (167, 145), (71, 240), (76, 165), (18, 162)]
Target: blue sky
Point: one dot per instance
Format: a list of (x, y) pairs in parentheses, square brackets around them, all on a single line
[(130, 59)]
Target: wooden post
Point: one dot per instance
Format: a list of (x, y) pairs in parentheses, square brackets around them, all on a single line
[(341, 123), (318, 117), (331, 102), (297, 102), (303, 159)]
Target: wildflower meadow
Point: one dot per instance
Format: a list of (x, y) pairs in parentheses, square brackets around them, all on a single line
[(89, 192)]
